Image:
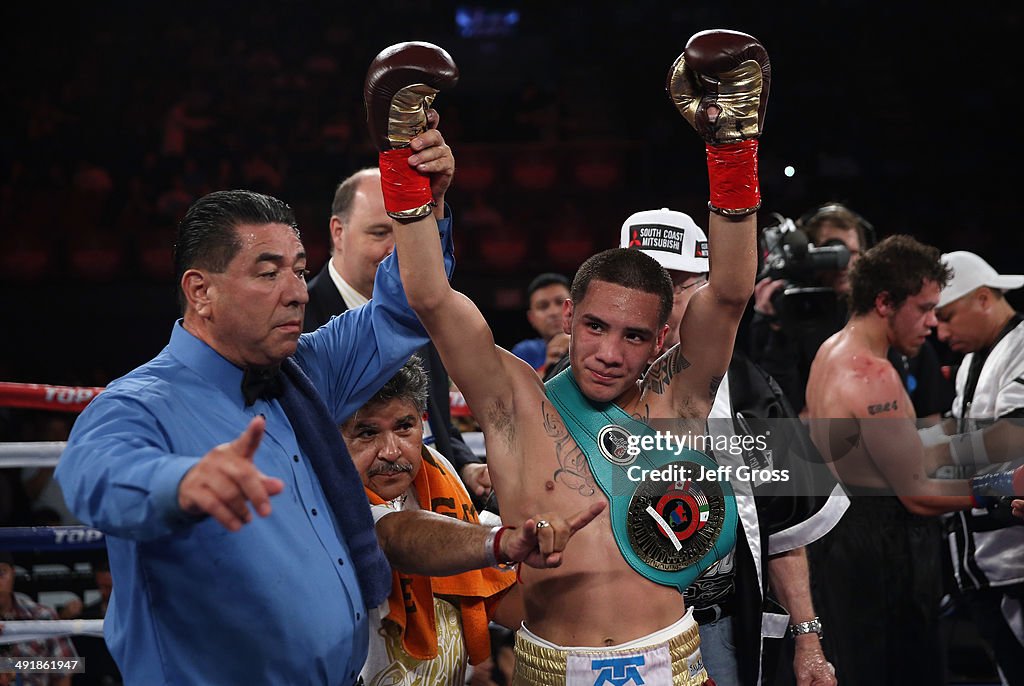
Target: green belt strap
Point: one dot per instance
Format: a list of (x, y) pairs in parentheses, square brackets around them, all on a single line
[(670, 531)]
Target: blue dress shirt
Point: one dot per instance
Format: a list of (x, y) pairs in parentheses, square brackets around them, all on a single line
[(534, 351), (277, 602)]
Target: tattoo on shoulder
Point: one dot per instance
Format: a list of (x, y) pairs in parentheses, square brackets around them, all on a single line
[(659, 376), (878, 408), (573, 470)]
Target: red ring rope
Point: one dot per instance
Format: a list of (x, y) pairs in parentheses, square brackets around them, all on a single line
[(45, 397), (74, 398)]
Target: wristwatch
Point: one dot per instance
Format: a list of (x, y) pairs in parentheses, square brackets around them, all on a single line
[(812, 626)]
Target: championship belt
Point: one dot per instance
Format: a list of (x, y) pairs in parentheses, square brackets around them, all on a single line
[(670, 530)]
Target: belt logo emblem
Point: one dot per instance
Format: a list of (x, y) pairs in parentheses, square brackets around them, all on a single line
[(672, 525), (613, 442), (619, 671)]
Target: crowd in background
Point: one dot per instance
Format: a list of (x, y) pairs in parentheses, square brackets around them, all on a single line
[(562, 127)]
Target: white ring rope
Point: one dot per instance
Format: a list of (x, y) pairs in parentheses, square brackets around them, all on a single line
[(30, 454), (25, 630)]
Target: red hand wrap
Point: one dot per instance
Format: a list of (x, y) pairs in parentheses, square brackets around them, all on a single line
[(404, 187), (732, 172)]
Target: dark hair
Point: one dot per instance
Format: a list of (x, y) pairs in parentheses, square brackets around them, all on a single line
[(630, 269), (543, 281), (409, 384), (206, 235), (346, 193), (838, 215), (899, 266)]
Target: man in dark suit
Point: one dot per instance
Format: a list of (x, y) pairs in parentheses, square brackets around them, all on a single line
[(361, 238)]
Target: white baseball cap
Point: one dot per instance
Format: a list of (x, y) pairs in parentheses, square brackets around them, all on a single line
[(971, 272), (670, 237)]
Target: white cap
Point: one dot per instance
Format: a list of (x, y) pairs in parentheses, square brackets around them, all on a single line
[(971, 272), (670, 237)]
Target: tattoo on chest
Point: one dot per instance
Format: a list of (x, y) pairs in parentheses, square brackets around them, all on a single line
[(573, 470), (882, 407), (643, 415), (659, 376)]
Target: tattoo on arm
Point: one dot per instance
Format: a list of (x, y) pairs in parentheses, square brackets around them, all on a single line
[(573, 470), (716, 381), (659, 376), (882, 407)]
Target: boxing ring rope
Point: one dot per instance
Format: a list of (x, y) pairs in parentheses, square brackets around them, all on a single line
[(75, 398), (49, 539), (42, 454), (25, 630), (33, 396), (30, 454)]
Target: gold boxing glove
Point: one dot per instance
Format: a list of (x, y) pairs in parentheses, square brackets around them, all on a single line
[(400, 86), (720, 85)]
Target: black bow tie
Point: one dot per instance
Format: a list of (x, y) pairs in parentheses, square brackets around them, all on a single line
[(263, 383)]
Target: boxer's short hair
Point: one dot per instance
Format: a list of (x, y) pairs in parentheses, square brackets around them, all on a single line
[(899, 266), (627, 268)]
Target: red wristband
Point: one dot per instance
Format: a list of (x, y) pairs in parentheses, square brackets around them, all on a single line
[(732, 173), (406, 191), (501, 559)]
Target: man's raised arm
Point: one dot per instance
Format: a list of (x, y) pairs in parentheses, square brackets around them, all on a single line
[(400, 86), (720, 85)]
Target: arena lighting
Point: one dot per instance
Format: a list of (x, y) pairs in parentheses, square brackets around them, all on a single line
[(789, 171), (478, 21)]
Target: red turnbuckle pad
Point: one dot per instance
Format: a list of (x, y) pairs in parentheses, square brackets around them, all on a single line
[(406, 191), (732, 172)]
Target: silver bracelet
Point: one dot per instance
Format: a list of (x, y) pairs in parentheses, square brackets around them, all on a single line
[(812, 626)]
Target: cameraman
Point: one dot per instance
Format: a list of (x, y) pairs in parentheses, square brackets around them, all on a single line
[(801, 300)]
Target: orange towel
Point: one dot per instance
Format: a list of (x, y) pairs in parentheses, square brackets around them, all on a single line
[(411, 603)]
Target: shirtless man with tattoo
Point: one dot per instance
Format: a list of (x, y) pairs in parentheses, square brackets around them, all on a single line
[(617, 620), (887, 545)]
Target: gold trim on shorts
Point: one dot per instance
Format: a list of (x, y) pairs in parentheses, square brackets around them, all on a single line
[(538, 665)]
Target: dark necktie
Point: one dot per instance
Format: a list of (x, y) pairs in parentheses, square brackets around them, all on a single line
[(263, 383)]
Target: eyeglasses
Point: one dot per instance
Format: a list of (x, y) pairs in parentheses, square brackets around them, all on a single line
[(681, 287)]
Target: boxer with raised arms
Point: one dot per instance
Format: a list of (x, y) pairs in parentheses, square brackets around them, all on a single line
[(617, 601)]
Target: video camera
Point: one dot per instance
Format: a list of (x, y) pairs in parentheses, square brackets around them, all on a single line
[(788, 254)]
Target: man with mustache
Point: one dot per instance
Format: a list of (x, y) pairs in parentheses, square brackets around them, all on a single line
[(431, 627)]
